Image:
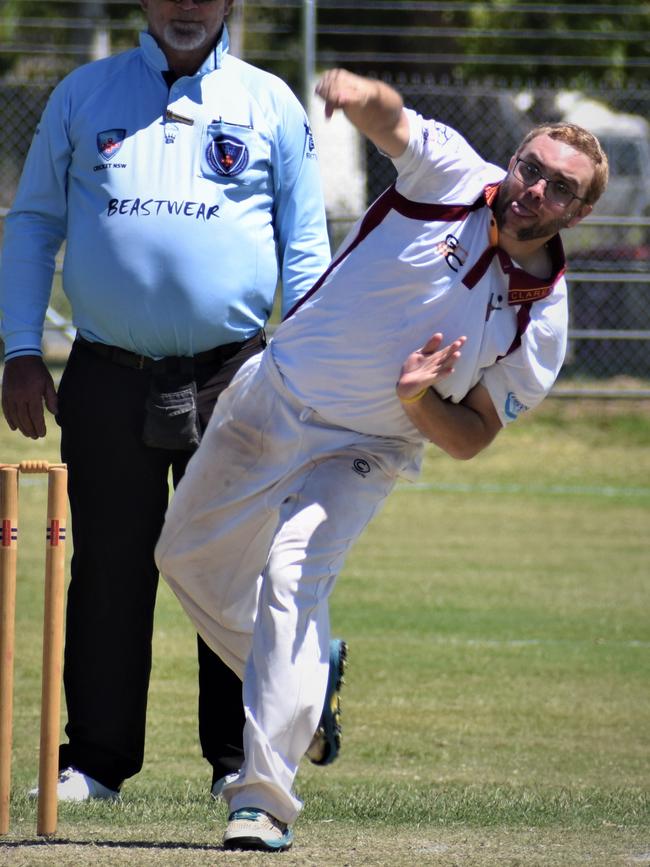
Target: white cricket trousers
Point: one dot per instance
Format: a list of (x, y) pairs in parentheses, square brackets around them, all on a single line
[(254, 538)]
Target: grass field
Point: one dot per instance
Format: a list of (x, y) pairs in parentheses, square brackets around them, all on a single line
[(497, 702)]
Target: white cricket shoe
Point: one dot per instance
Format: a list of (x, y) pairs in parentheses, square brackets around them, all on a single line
[(252, 828), (74, 785)]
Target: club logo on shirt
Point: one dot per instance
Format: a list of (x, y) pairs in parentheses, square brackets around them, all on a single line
[(227, 155), (455, 255), (170, 131), (109, 142), (514, 407)]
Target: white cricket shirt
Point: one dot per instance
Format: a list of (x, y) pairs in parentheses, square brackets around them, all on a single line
[(421, 261)]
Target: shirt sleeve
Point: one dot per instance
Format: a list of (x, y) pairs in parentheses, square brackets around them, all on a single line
[(440, 166), (34, 231), (299, 213), (522, 379)]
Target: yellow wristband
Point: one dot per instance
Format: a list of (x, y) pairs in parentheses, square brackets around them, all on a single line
[(416, 397)]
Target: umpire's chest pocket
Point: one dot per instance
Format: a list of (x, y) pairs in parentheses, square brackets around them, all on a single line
[(233, 154)]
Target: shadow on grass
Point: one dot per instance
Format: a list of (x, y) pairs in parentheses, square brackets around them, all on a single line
[(112, 844)]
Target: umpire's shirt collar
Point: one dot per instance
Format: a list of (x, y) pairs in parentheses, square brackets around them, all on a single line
[(155, 57)]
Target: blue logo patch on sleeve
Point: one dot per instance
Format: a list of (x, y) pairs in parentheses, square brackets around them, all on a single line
[(227, 155), (514, 407), (310, 137)]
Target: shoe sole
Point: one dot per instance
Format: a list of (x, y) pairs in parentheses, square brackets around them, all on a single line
[(330, 725), (254, 844)]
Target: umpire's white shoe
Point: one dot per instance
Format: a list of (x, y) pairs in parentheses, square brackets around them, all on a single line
[(73, 785)]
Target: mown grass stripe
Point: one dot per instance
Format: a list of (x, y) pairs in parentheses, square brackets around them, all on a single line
[(515, 488)]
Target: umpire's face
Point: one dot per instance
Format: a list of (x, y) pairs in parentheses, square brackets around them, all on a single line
[(186, 26)]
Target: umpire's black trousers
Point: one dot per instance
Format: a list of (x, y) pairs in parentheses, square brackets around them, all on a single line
[(118, 496)]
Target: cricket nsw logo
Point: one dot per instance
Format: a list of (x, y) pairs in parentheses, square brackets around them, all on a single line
[(109, 142), (227, 155)]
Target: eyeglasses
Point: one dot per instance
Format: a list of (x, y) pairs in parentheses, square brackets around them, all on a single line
[(557, 192)]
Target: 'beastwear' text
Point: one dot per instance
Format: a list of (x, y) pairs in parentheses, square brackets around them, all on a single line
[(147, 207)]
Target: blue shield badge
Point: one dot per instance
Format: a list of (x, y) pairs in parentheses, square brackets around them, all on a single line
[(109, 142), (227, 155)]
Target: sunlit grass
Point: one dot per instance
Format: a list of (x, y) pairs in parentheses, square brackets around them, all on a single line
[(496, 698)]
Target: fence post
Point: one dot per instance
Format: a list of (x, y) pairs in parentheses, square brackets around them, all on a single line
[(308, 49)]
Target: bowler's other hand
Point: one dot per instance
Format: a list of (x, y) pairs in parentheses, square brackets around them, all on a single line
[(342, 89), (26, 384), (427, 365)]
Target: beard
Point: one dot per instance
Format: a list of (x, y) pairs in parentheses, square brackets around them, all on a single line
[(539, 228), (185, 35)]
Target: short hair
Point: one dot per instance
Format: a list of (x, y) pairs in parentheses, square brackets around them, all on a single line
[(582, 140)]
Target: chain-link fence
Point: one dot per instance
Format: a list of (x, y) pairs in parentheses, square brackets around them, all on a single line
[(609, 254)]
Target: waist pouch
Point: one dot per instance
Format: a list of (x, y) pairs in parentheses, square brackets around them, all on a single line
[(171, 419)]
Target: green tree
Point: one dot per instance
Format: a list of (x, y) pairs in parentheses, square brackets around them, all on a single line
[(598, 41)]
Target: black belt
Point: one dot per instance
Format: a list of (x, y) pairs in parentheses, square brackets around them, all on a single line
[(123, 357)]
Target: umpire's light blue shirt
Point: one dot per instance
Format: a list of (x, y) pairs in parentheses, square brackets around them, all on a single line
[(180, 206)]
